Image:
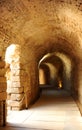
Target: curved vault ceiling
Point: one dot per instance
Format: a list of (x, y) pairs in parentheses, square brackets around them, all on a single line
[(36, 22)]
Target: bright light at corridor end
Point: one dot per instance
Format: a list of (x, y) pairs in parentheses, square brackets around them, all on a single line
[(60, 84)]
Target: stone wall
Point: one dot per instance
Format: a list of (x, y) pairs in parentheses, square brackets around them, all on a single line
[(3, 94), (15, 87)]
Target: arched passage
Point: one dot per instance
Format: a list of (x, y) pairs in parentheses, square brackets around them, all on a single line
[(70, 62), (55, 67), (60, 66)]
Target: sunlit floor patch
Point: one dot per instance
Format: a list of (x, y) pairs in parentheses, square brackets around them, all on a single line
[(53, 111)]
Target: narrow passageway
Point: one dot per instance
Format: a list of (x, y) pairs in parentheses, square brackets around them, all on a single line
[(41, 44), (55, 110)]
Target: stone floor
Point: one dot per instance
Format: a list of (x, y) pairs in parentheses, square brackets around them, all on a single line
[(55, 110)]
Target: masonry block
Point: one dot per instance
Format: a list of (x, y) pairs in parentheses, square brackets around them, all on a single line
[(17, 97)]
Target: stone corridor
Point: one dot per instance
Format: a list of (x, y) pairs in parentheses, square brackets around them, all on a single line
[(55, 110), (40, 44)]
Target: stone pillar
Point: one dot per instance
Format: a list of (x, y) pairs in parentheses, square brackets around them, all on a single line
[(3, 94), (15, 89)]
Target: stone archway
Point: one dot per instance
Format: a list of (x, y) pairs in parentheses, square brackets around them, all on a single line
[(15, 78), (55, 67)]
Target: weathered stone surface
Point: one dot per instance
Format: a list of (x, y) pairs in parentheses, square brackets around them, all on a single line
[(3, 96), (9, 85), (2, 64), (15, 103), (17, 72), (16, 108), (2, 79), (3, 93), (8, 96), (18, 78), (9, 90), (18, 84), (16, 66), (17, 97), (3, 87), (17, 90), (3, 113), (2, 72)]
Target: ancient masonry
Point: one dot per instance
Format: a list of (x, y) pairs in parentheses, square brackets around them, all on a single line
[(3, 94), (15, 87)]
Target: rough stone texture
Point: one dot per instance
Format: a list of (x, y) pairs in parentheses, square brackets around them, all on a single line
[(2, 79), (3, 87), (3, 113), (3, 93), (29, 29), (3, 84), (3, 96), (17, 97)]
